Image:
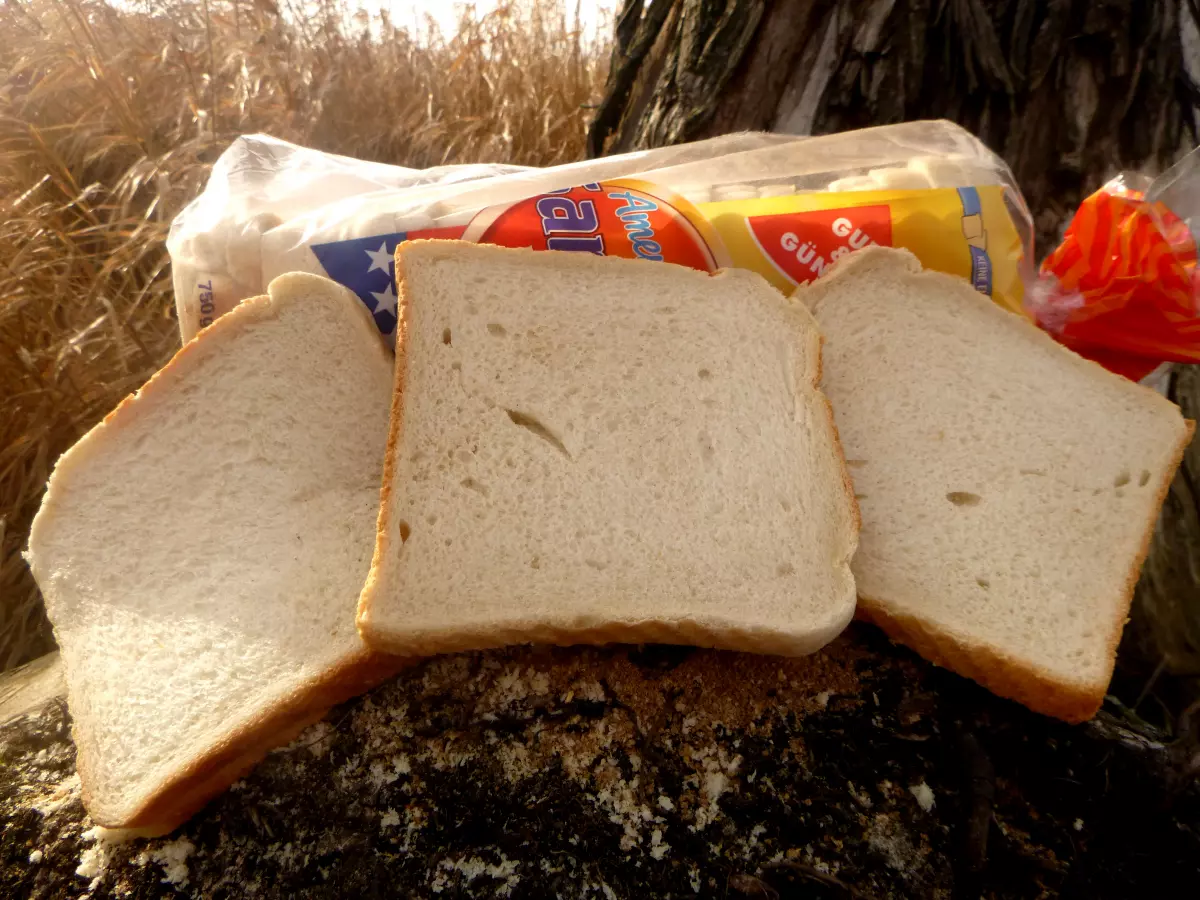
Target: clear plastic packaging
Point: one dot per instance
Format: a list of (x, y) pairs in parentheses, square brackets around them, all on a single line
[(259, 184), (1123, 287), (782, 205)]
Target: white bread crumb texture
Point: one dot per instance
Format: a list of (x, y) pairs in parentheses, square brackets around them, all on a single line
[(665, 449), (1006, 486), (196, 595)]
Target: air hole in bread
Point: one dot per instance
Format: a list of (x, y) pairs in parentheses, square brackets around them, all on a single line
[(785, 569), (1144, 478), (535, 563), (405, 531), (785, 505), (431, 519), (964, 498), (456, 366), (1032, 472), (596, 564), (1122, 479), (446, 336), (496, 329), (983, 583), (860, 496), (534, 426), (856, 463), (704, 374), (472, 485)]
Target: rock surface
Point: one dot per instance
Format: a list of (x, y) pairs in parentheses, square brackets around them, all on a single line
[(654, 772)]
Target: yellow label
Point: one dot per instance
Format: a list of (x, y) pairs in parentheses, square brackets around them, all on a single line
[(791, 240)]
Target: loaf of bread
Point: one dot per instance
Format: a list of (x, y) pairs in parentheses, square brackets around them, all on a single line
[(1008, 487), (589, 449), (202, 549)]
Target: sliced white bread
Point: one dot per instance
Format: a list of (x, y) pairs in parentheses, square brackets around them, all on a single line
[(1008, 487), (589, 449), (202, 549)]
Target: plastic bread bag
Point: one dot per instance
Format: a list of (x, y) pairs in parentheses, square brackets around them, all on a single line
[(257, 184), (789, 212), (271, 207), (784, 206), (1122, 288), (786, 209)]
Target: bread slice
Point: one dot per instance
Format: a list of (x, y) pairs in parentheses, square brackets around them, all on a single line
[(201, 551), (1008, 487), (588, 449)]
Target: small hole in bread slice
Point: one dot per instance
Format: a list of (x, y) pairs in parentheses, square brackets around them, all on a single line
[(405, 531), (472, 485), (1122, 479), (964, 498), (1144, 478), (446, 336)]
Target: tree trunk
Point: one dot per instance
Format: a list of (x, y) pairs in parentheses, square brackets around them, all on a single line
[(1068, 91)]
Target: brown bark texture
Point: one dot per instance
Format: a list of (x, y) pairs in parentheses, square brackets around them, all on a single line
[(1067, 91)]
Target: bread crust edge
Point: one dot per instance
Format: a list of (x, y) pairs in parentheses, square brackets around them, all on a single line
[(999, 672), (379, 558), (1008, 676), (712, 634), (173, 800)]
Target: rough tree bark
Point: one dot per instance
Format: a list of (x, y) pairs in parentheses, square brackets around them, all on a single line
[(1067, 91)]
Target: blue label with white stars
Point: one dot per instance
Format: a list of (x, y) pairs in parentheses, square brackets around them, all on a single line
[(367, 266)]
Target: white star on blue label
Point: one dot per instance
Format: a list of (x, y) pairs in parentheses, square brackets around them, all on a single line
[(387, 303), (381, 259), (365, 266)]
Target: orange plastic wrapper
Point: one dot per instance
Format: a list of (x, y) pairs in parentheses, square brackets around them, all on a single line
[(1123, 288)]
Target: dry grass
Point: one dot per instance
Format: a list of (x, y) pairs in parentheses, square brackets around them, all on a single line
[(109, 121)]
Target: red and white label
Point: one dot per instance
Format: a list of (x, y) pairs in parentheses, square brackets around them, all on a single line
[(607, 219), (801, 246)]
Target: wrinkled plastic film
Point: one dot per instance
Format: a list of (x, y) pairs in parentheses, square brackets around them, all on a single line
[(785, 206), (1122, 288)]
